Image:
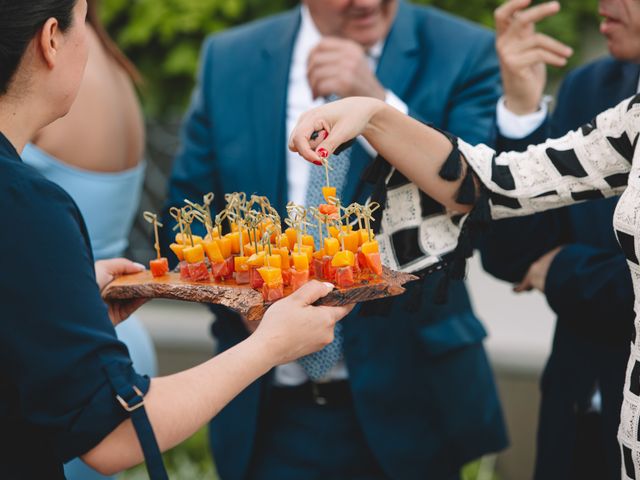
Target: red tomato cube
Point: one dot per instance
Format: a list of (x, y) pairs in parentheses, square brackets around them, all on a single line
[(344, 277), (298, 279), (317, 268), (374, 263), (272, 293), (286, 277), (242, 278), (184, 271), (255, 279), (362, 260), (328, 270), (199, 272), (159, 267)]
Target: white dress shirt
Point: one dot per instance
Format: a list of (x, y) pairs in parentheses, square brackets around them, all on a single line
[(517, 127), (300, 99)]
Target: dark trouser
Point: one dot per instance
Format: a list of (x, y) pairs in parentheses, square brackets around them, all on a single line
[(573, 443), (301, 439)]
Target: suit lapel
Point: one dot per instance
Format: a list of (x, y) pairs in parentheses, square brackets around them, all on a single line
[(631, 73), (396, 70), (270, 111)]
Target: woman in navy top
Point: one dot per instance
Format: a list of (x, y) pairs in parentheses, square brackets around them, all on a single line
[(66, 382)]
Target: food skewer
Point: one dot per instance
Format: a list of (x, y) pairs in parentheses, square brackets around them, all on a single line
[(160, 266)]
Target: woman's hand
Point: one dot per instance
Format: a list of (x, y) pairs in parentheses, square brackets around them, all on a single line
[(337, 123), (106, 272), (293, 328)]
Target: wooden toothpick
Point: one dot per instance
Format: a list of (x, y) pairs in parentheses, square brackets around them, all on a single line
[(153, 219)]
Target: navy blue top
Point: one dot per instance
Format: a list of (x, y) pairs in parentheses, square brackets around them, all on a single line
[(56, 401)]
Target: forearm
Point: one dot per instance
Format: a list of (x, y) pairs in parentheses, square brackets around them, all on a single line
[(415, 150), (178, 405)]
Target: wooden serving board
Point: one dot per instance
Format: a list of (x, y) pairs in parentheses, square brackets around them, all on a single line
[(242, 298)]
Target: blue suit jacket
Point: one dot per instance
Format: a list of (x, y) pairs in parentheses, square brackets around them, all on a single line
[(588, 285), (422, 386)]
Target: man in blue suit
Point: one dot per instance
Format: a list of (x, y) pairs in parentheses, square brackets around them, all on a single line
[(571, 255), (412, 396)]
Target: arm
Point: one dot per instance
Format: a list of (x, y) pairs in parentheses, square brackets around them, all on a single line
[(513, 244), (56, 318), (592, 284), (545, 176), (178, 405)]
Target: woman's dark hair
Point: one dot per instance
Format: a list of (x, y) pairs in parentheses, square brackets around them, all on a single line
[(108, 44), (20, 20)]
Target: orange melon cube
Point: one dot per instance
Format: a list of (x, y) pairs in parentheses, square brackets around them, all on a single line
[(271, 275), (328, 192), (345, 258), (331, 246), (225, 246), (300, 261), (370, 247), (193, 254), (177, 249)]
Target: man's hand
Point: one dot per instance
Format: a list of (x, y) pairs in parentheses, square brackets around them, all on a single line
[(340, 67), (536, 277), (106, 272), (524, 54)]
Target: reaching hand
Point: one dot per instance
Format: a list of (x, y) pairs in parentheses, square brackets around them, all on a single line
[(293, 328), (338, 66), (339, 121), (524, 54), (106, 272), (536, 277)]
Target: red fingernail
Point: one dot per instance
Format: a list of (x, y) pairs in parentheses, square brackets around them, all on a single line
[(323, 152), (317, 163), (324, 134)]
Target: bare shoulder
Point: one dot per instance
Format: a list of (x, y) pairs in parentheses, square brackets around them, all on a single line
[(104, 131)]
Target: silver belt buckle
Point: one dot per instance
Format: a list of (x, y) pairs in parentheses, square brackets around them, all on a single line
[(317, 398)]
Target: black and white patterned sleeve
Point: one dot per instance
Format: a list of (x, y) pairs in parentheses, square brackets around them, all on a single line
[(418, 235), (590, 163)]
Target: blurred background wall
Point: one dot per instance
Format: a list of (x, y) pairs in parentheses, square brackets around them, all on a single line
[(163, 38)]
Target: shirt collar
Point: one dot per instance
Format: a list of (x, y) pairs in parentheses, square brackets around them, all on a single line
[(309, 36), (7, 150)]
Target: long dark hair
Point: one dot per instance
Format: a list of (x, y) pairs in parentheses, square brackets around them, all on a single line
[(108, 44), (20, 20)]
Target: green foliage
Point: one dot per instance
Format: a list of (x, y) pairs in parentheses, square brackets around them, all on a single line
[(163, 37), (191, 460)]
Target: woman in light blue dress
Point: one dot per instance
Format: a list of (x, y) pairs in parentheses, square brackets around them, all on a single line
[(95, 153)]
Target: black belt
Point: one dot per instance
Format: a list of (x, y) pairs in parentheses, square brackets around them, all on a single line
[(331, 394)]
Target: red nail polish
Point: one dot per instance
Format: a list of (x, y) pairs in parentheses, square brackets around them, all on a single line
[(323, 152), (317, 163)]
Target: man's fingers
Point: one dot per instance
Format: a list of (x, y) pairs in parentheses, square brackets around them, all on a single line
[(550, 44), (311, 292), (328, 44), (504, 13), (535, 14), (322, 59), (541, 56)]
